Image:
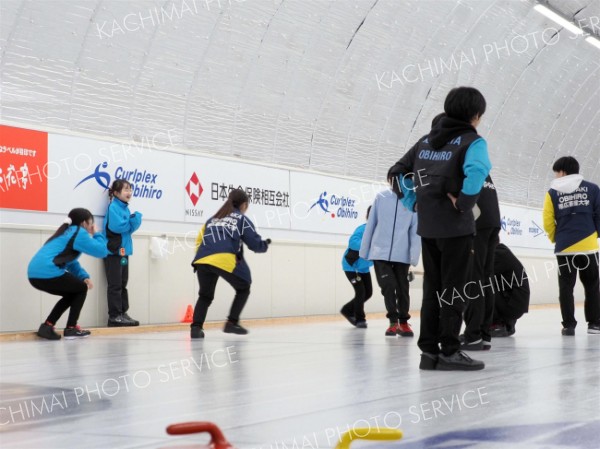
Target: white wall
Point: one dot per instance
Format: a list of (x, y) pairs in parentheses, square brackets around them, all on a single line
[(291, 279)]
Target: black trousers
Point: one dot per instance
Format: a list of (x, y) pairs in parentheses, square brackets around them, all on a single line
[(363, 290), (587, 267), (392, 278), (481, 292), (117, 276), (447, 266), (207, 278), (73, 292)]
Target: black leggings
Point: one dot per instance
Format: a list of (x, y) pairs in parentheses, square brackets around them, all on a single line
[(207, 278), (73, 292), (363, 290)]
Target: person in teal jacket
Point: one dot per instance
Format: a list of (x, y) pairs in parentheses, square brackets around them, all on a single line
[(55, 269), (119, 224), (357, 270), (220, 254)]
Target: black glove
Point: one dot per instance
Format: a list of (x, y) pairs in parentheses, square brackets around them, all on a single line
[(351, 256), (268, 241), (411, 276)]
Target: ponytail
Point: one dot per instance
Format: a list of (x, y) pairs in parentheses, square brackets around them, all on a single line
[(76, 217), (236, 198)]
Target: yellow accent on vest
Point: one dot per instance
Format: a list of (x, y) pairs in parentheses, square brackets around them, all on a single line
[(224, 261), (588, 244)]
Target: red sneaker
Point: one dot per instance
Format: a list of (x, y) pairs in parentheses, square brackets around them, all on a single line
[(404, 330), (392, 331)]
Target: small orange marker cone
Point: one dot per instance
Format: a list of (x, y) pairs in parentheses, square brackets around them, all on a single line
[(189, 315)]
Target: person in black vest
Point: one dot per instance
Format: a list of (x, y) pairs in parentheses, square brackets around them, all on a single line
[(512, 292), (572, 222), (444, 172), (480, 306)]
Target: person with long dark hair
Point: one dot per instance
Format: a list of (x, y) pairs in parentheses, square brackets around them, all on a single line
[(55, 269), (219, 254), (119, 224)]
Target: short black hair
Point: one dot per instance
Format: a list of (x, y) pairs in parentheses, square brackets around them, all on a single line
[(568, 164), (464, 103)]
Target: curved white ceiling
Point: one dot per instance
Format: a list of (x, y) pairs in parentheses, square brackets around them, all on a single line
[(337, 86)]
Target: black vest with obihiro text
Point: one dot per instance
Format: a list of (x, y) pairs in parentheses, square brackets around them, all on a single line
[(438, 172)]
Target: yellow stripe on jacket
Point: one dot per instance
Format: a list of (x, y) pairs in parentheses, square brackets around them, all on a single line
[(587, 245), (549, 221), (224, 261)]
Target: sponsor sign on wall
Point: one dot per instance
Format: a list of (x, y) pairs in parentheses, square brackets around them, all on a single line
[(23, 163), (326, 204), (207, 183), (523, 227), (81, 171)]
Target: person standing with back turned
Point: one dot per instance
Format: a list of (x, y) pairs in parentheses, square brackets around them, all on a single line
[(448, 168)]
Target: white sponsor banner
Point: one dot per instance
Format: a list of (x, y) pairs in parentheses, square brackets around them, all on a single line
[(80, 170), (327, 204), (207, 184), (523, 227)]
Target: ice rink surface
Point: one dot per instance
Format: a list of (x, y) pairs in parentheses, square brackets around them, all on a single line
[(300, 386)]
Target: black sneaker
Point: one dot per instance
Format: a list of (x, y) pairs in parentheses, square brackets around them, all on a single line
[(594, 329), (361, 324), (499, 331), (135, 322), (75, 332), (196, 332), (570, 331), (476, 345), (46, 331), (119, 321), (233, 328), (350, 318), (428, 361), (459, 361)]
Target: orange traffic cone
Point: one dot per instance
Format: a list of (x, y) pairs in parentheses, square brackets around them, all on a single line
[(189, 315)]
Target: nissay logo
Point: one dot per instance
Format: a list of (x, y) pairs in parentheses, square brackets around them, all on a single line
[(143, 182), (335, 206)]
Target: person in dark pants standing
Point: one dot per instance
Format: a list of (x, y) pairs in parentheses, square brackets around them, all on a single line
[(357, 270), (119, 224), (55, 269), (480, 305), (446, 170), (220, 254), (512, 292), (572, 222), (390, 240)]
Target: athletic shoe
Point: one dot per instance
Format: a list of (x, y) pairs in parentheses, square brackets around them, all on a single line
[(570, 331), (476, 345), (197, 332), (392, 331), (135, 322), (499, 331), (75, 332), (404, 330), (487, 345), (350, 318), (46, 331), (233, 328), (361, 324), (120, 321), (428, 361), (594, 329), (459, 361)]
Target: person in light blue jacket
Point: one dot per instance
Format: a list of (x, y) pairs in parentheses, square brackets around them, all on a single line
[(55, 269), (391, 241), (119, 224), (358, 272)]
